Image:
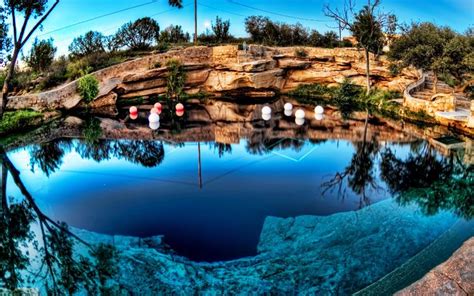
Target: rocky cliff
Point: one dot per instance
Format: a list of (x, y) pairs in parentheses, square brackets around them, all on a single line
[(224, 70)]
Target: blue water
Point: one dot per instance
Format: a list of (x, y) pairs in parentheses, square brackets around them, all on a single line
[(218, 216)]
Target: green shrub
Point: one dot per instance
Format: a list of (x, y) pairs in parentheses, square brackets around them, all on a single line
[(88, 87), (394, 69), (17, 120), (176, 79), (301, 53)]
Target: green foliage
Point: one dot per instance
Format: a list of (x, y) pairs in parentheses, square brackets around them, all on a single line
[(91, 43), (367, 30), (18, 120), (174, 34), (5, 41), (139, 35), (221, 30), (394, 69), (88, 87), (301, 53), (265, 31), (92, 130), (41, 55), (176, 79), (431, 183), (56, 75), (312, 91), (439, 49)]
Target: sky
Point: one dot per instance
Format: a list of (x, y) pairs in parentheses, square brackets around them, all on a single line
[(458, 14)]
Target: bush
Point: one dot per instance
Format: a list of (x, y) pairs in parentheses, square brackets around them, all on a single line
[(301, 53), (176, 79), (17, 120), (88, 87), (57, 74)]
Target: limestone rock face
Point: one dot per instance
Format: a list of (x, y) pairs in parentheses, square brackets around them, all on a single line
[(229, 80), (453, 277), (224, 70)]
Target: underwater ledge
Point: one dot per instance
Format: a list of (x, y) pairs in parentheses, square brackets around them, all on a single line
[(337, 254)]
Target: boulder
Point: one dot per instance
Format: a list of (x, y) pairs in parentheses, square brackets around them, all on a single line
[(453, 277)]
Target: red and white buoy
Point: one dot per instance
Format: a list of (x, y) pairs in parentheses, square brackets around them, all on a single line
[(133, 112), (158, 107), (179, 109)]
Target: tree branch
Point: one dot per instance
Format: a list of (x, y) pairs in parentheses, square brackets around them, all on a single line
[(15, 36), (23, 28), (39, 22)]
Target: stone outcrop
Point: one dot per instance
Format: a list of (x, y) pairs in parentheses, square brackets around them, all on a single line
[(453, 277), (224, 70), (302, 255)]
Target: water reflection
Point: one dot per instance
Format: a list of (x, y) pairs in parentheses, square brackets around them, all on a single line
[(37, 251)]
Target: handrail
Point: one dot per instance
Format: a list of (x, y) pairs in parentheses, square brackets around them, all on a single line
[(415, 86)]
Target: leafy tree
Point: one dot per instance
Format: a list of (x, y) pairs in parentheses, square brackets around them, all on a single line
[(174, 34), (27, 10), (41, 55), (5, 41), (221, 30), (366, 27), (330, 39), (139, 35), (424, 46), (92, 42)]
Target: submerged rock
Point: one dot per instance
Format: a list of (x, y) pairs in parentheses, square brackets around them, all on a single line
[(337, 254)]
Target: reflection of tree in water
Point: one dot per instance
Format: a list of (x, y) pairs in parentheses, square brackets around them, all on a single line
[(222, 148), (431, 182), (48, 156), (359, 174), (59, 269), (258, 146)]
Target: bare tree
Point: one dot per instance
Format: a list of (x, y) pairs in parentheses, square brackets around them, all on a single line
[(365, 25), (29, 9)]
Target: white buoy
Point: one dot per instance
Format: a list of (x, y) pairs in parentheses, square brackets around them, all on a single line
[(266, 110), (288, 106), (154, 125), (154, 118), (288, 112), (300, 113), (299, 121), (154, 110), (318, 116), (319, 110), (266, 117)]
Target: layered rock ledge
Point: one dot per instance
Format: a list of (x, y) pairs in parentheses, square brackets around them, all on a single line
[(224, 70)]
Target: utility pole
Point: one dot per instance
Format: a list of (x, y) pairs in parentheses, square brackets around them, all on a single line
[(195, 22), (199, 165)]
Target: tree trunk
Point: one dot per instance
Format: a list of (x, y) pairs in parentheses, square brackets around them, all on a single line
[(3, 186), (435, 83), (6, 83), (367, 70)]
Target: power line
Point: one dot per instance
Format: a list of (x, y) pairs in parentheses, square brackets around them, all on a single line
[(277, 13), (97, 17), (222, 10)]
